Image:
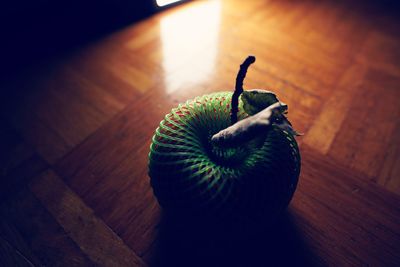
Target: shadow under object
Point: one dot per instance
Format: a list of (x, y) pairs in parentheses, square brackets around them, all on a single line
[(190, 241)]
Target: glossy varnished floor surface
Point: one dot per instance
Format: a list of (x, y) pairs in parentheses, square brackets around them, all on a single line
[(76, 135)]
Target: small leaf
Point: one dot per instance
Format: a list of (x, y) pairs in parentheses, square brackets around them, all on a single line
[(256, 100)]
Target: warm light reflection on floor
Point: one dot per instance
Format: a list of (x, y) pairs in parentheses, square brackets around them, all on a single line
[(190, 35)]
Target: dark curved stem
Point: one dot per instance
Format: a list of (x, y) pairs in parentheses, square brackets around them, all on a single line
[(239, 87)]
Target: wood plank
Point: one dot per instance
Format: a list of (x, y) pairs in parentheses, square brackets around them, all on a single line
[(46, 142), (91, 64), (117, 171), (369, 129), (35, 236), (72, 117), (353, 217), (92, 236), (19, 163), (114, 142), (64, 108), (380, 50), (333, 113), (390, 171), (13, 249), (371, 155), (307, 62)]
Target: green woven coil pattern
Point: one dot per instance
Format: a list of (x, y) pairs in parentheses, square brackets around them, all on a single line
[(189, 172)]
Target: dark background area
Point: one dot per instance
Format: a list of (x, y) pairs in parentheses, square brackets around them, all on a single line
[(33, 31)]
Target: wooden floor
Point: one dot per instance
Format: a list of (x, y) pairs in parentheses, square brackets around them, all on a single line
[(76, 134)]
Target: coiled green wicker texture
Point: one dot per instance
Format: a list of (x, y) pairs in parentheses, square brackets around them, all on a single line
[(250, 181)]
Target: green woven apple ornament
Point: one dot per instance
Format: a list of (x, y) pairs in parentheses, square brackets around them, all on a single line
[(229, 155)]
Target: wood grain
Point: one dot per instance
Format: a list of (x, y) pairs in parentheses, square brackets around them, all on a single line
[(32, 233), (369, 120), (355, 212), (19, 163), (331, 118), (87, 117), (92, 236)]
